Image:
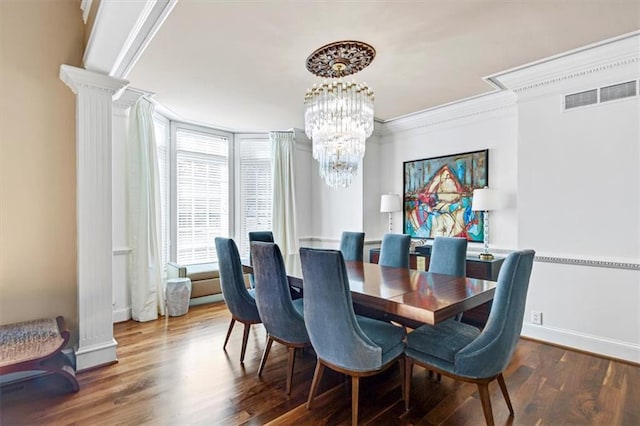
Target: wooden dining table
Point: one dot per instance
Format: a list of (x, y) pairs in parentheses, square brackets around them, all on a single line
[(407, 296)]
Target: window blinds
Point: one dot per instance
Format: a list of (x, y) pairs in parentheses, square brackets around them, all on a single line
[(202, 186), (255, 188)]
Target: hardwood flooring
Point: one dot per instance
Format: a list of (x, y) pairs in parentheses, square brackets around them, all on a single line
[(174, 372)]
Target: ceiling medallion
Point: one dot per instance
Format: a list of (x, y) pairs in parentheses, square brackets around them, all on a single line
[(338, 115), (340, 58)]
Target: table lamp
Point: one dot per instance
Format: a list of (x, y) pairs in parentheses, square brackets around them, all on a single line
[(485, 200), (390, 203)]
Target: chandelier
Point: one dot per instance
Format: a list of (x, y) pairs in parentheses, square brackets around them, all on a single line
[(338, 115)]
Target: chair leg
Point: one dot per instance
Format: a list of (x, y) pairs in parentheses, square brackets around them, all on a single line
[(231, 324), (505, 393), (245, 337), (317, 375), (290, 363), (265, 354), (403, 365), (483, 389), (355, 387), (408, 374)]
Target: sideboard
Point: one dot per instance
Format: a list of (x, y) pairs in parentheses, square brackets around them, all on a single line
[(476, 268)]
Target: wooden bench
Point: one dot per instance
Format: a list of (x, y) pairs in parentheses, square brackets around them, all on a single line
[(36, 345)]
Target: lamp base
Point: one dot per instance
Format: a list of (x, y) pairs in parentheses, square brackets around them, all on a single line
[(485, 256)]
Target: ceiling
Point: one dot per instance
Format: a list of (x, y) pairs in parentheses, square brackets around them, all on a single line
[(241, 65)]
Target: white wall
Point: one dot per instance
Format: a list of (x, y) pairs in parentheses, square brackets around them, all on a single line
[(486, 122), (121, 249), (579, 200), (374, 225), (303, 172)]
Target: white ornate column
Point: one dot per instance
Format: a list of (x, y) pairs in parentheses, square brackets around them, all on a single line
[(95, 93)]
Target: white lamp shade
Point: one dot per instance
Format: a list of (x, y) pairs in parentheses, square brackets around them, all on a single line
[(390, 203), (485, 199)]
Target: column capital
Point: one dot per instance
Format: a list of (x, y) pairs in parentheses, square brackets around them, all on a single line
[(79, 78), (129, 97)]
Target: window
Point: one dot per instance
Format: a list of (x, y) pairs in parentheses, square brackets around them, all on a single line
[(199, 183), (255, 187), (201, 194)]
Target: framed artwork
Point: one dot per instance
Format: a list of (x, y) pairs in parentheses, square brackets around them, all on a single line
[(438, 193)]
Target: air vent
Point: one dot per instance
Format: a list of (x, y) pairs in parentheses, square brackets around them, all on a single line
[(618, 91), (627, 89), (575, 100)]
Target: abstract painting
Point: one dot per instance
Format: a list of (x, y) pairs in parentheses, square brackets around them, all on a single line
[(438, 193)]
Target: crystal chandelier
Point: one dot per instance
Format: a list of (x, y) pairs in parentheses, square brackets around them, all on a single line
[(339, 115)]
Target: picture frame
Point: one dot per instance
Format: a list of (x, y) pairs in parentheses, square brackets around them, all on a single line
[(438, 192)]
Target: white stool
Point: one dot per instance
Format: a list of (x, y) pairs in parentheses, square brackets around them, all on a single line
[(178, 294)]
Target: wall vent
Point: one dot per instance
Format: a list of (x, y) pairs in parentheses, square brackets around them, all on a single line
[(588, 97), (603, 94), (618, 91)]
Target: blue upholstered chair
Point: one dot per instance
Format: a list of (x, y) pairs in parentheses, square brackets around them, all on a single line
[(395, 250), (358, 348), (449, 257), (239, 300), (352, 246), (283, 323), (264, 236), (463, 352)]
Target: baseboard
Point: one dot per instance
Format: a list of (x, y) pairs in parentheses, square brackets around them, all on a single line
[(92, 356), (584, 342), (122, 315)]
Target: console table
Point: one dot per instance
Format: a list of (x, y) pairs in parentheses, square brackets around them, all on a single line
[(476, 268)]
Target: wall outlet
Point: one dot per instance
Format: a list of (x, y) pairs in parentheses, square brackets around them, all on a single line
[(536, 317)]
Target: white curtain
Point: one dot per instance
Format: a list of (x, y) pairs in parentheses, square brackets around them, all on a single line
[(144, 220), (284, 193)]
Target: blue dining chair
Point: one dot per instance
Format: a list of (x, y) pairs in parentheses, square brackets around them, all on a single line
[(395, 250), (264, 236), (352, 246), (357, 348), (464, 353), (239, 300), (449, 257), (284, 324)]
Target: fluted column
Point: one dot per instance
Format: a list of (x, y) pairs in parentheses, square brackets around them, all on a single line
[(94, 100)]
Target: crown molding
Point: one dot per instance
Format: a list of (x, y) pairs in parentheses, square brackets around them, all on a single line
[(609, 54), (130, 96), (465, 108), (121, 32), (79, 78)]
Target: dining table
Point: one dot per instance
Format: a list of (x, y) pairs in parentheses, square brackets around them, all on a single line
[(407, 296)]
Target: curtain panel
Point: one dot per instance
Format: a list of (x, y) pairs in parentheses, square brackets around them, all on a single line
[(284, 193), (144, 220)]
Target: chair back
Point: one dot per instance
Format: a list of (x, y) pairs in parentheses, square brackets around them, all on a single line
[(265, 236), (491, 352), (352, 246), (449, 256), (273, 298), (328, 313), (395, 250), (241, 304)]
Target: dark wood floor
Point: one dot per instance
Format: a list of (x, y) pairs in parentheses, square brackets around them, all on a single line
[(174, 372)]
